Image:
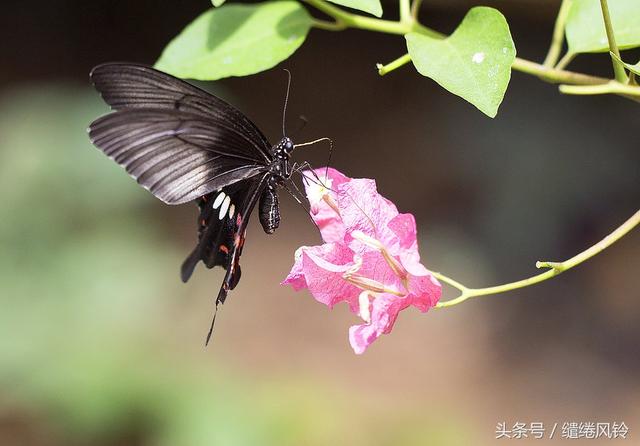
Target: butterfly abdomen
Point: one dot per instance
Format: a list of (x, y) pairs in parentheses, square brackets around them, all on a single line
[(269, 209)]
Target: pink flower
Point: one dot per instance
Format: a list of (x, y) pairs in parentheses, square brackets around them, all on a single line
[(370, 257)]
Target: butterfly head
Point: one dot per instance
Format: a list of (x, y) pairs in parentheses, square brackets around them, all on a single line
[(281, 166), (283, 149), (288, 144)]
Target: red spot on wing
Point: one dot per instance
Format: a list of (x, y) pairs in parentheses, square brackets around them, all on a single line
[(224, 249), (238, 241)]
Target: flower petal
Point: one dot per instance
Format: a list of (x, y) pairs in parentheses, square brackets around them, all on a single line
[(375, 267), (424, 291), (328, 220), (370, 258), (323, 267), (361, 337), (330, 225), (295, 278), (403, 227), (363, 209), (384, 312), (315, 189)]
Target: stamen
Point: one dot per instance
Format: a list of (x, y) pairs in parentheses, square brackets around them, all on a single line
[(367, 240), (316, 191), (364, 283), (331, 202), (357, 264), (395, 266)]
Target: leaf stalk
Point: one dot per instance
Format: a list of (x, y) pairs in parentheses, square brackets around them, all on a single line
[(555, 268)]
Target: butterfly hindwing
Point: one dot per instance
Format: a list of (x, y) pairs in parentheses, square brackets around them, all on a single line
[(221, 229)]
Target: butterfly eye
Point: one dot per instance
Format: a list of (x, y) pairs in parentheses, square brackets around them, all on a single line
[(288, 146)]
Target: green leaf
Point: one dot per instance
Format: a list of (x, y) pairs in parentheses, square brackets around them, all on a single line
[(473, 63), (585, 26), (635, 69), (217, 3), (371, 6), (236, 40)]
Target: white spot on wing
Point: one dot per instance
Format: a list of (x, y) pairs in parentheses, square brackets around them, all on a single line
[(218, 200), (478, 57), (232, 210), (224, 207)]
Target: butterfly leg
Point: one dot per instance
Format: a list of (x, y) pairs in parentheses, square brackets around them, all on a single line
[(326, 169), (296, 197), (316, 179), (299, 167)]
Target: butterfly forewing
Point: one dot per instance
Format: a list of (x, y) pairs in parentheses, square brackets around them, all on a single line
[(126, 86), (176, 155)]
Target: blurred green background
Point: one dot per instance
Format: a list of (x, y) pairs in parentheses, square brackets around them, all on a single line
[(101, 344)]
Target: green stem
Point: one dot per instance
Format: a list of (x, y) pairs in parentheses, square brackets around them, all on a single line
[(554, 75), (415, 8), (555, 267), (370, 24), (348, 20), (400, 61), (449, 281), (558, 35), (357, 21), (405, 12), (551, 75), (338, 25), (618, 69), (330, 10), (566, 60), (612, 87)]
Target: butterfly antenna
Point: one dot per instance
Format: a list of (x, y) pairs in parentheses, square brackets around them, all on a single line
[(286, 101), (326, 168), (302, 144)]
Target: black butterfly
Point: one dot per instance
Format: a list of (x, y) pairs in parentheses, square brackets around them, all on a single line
[(184, 144)]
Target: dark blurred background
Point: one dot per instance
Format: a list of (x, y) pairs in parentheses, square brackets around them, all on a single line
[(101, 344)]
